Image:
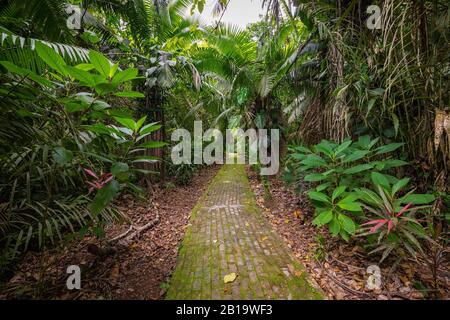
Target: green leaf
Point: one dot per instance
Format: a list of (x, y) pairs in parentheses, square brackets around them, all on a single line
[(153, 145), (51, 58), (126, 75), (418, 199), (358, 168), (313, 160), (104, 196), (323, 186), (319, 196), (140, 123), (337, 192), (344, 146), (100, 128), (391, 163), (314, 177), (356, 155), (127, 122), (347, 223), (105, 88), (62, 155), (326, 147), (350, 206), (302, 149), (149, 128), (129, 94), (80, 75), (119, 167), (26, 73), (380, 179), (113, 70), (334, 227), (85, 66), (100, 62), (399, 185), (323, 218), (389, 148)]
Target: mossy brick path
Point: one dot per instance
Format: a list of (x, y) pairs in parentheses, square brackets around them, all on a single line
[(228, 234)]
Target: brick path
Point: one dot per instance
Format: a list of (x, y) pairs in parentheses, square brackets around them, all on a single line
[(228, 234)]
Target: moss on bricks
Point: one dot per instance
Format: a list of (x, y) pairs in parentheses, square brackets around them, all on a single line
[(210, 248)]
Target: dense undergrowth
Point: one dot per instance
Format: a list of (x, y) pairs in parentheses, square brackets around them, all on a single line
[(87, 112)]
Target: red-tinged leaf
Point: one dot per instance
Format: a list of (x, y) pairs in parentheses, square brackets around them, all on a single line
[(90, 172), (404, 209), (373, 222), (378, 226), (390, 225)]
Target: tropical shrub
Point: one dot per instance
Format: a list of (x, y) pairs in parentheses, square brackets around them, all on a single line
[(342, 175), (66, 151), (393, 222)]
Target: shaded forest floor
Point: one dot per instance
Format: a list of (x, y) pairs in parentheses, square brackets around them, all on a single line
[(137, 269)]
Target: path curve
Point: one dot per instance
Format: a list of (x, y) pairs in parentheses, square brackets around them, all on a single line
[(228, 234)]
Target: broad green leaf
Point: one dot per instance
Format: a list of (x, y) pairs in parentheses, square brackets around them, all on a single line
[(50, 57), (62, 155), (418, 199), (337, 192), (350, 206), (319, 196), (356, 155), (26, 73), (85, 66), (389, 148), (104, 197), (347, 223), (102, 129), (326, 147), (149, 128), (380, 179), (80, 75), (119, 167), (100, 63), (302, 149), (105, 88), (127, 122), (368, 196), (358, 168), (323, 186), (344, 146), (140, 123), (313, 161), (334, 227), (113, 70), (126, 75), (153, 145), (323, 218), (314, 177), (129, 94), (391, 163), (399, 185)]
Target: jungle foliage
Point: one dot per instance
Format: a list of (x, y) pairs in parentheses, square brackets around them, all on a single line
[(87, 112)]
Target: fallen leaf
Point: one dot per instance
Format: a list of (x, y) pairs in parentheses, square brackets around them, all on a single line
[(230, 278)]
